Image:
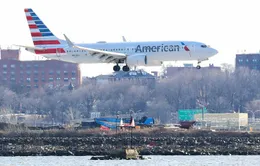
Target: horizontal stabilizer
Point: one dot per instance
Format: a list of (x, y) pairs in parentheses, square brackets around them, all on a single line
[(30, 47)]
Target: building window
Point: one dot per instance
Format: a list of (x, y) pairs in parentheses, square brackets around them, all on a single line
[(12, 73), (36, 65), (73, 78), (12, 79), (4, 72), (28, 79), (254, 60), (35, 79), (66, 79), (240, 60), (43, 79), (65, 72), (50, 79), (51, 72), (73, 73), (58, 79), (58, 72), (12, 66), (4, 66), (28, 65)]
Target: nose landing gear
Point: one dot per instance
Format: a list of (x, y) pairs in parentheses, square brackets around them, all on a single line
[(199, 61), (198, 66)]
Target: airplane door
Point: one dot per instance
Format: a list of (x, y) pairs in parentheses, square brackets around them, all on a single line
[(193, 48)]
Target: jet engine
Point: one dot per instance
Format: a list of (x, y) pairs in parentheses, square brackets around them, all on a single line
[(141, 60)]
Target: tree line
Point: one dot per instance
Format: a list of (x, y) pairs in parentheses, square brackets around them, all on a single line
[(221, 91)]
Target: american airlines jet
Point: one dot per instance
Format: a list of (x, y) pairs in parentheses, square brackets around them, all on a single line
[(131, 54)]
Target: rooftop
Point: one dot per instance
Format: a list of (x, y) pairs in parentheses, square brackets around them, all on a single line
[(130, 74)]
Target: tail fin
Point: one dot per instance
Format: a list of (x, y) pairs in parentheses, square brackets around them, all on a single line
[(41, 35)]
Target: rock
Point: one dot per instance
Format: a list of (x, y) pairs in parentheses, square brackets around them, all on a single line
[(177, 143)]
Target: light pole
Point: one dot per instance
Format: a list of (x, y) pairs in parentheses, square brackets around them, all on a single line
[(116, 121)]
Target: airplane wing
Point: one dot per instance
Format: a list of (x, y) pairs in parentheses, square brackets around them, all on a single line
[(107, 56)]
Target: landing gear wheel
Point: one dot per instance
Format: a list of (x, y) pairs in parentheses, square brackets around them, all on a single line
[(198, 67), (126, 68), (116, 68)]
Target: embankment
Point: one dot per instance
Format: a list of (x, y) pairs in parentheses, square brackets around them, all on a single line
[(148, 142)]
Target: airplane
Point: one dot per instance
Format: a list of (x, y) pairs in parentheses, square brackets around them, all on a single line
[(130, 54)]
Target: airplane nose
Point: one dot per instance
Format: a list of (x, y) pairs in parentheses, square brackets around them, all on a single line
[(214, 51)]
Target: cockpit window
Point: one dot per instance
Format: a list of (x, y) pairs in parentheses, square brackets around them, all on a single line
[(203, 46)]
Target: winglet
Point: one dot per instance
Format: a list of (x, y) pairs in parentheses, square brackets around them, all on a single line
[(68, 41), (124, 40)]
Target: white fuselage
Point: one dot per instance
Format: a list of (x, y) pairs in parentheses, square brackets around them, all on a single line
[(157, 52)]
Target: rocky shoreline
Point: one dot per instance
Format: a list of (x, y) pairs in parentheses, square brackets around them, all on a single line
[(154, 142)]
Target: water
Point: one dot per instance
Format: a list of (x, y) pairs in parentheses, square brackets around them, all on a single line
[(154, 161)]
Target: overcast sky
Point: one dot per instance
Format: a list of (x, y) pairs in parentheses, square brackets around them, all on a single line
[(227, 25)]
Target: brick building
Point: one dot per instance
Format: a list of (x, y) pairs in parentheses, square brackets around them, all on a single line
[(11, 54), (252, 61), (34, 74)]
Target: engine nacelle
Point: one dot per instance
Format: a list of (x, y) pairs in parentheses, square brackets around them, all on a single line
[(141, 60)]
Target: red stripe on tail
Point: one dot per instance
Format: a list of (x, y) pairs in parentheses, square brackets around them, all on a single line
[(46, 42), (50, 51), (29, 18), (36, 34), (33, 26)]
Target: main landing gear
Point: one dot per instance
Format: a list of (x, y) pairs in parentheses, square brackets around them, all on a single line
[(117, 68), (126, 68)]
